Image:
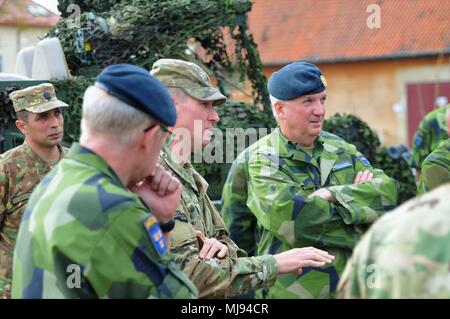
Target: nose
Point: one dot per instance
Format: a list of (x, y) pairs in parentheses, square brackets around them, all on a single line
[(55, 120), (213, 116), (319, 109)]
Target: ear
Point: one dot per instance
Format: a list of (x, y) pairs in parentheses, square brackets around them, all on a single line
[(176, 103), (22, 126), (279, 110)]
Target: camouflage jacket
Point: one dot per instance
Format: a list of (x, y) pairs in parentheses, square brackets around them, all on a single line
[(435, 168), (431, 132), (240, 221), (281, 176), (21, 169), (405, 254), (215, 278), (85, 235)]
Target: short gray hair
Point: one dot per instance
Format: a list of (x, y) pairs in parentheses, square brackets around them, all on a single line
[(105, 114), (273, 101), (178, 92)]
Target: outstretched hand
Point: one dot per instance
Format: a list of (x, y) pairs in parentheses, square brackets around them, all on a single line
[(295, 259)]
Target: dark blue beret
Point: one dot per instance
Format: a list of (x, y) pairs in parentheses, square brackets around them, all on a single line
[(138, 88), (296, 79)]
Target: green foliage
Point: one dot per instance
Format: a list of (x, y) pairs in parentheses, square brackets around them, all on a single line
[(142, 31), (7, 113), (7, 117), (72, 91), (357, 132), (398, 169)]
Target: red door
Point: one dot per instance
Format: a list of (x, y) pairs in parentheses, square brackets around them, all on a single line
[(421, 100)]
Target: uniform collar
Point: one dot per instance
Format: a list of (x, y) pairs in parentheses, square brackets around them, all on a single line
[(30, 153), (325, 152), (186, 173), (289, 149), (84, 155)]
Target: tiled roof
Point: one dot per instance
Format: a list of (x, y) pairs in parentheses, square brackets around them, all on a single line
[(337, 30), (26, 13)]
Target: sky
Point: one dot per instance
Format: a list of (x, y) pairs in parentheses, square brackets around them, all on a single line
[(49, 4)]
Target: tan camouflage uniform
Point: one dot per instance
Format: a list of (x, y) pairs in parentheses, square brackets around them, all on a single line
[(215, 278), (21, 169), (406, 253)]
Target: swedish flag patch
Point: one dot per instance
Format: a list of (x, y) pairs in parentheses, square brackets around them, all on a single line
[(364, 160), (154, 232), (418, 141)]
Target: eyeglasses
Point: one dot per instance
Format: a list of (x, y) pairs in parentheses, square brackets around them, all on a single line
[(161, 126)]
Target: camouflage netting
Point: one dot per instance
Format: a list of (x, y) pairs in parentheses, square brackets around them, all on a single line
[(7, 114), (142, 31)]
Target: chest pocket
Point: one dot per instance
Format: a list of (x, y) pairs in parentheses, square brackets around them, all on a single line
[(18, 202), (192, 209), (343, 172)]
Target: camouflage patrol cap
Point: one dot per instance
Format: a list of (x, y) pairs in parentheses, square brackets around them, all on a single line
[(189, 77), (36, 99)]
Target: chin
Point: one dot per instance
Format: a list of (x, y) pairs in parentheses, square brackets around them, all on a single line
[(316, 130), (53, 143)]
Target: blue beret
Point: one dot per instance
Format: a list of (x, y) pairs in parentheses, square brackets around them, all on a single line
[(136, 87), (296, 79)]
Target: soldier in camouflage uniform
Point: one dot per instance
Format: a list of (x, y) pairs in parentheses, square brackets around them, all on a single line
[(405, 254), (431, 132), (309, 187), (240, 221), (436, 166), (200, 240), (23, 167), (85, 234)]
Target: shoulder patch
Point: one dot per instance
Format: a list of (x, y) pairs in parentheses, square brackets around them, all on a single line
[(364, 160), (418, 141), (155, 234)]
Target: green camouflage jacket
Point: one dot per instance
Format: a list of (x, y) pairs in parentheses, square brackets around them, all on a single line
[(21, 169), (281, 176), (435, 168), (240, 221), (85, 235), (215, 278), (431, 132), (405, 254)]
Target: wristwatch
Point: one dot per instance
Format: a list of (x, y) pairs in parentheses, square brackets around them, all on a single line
[(167, 227)]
